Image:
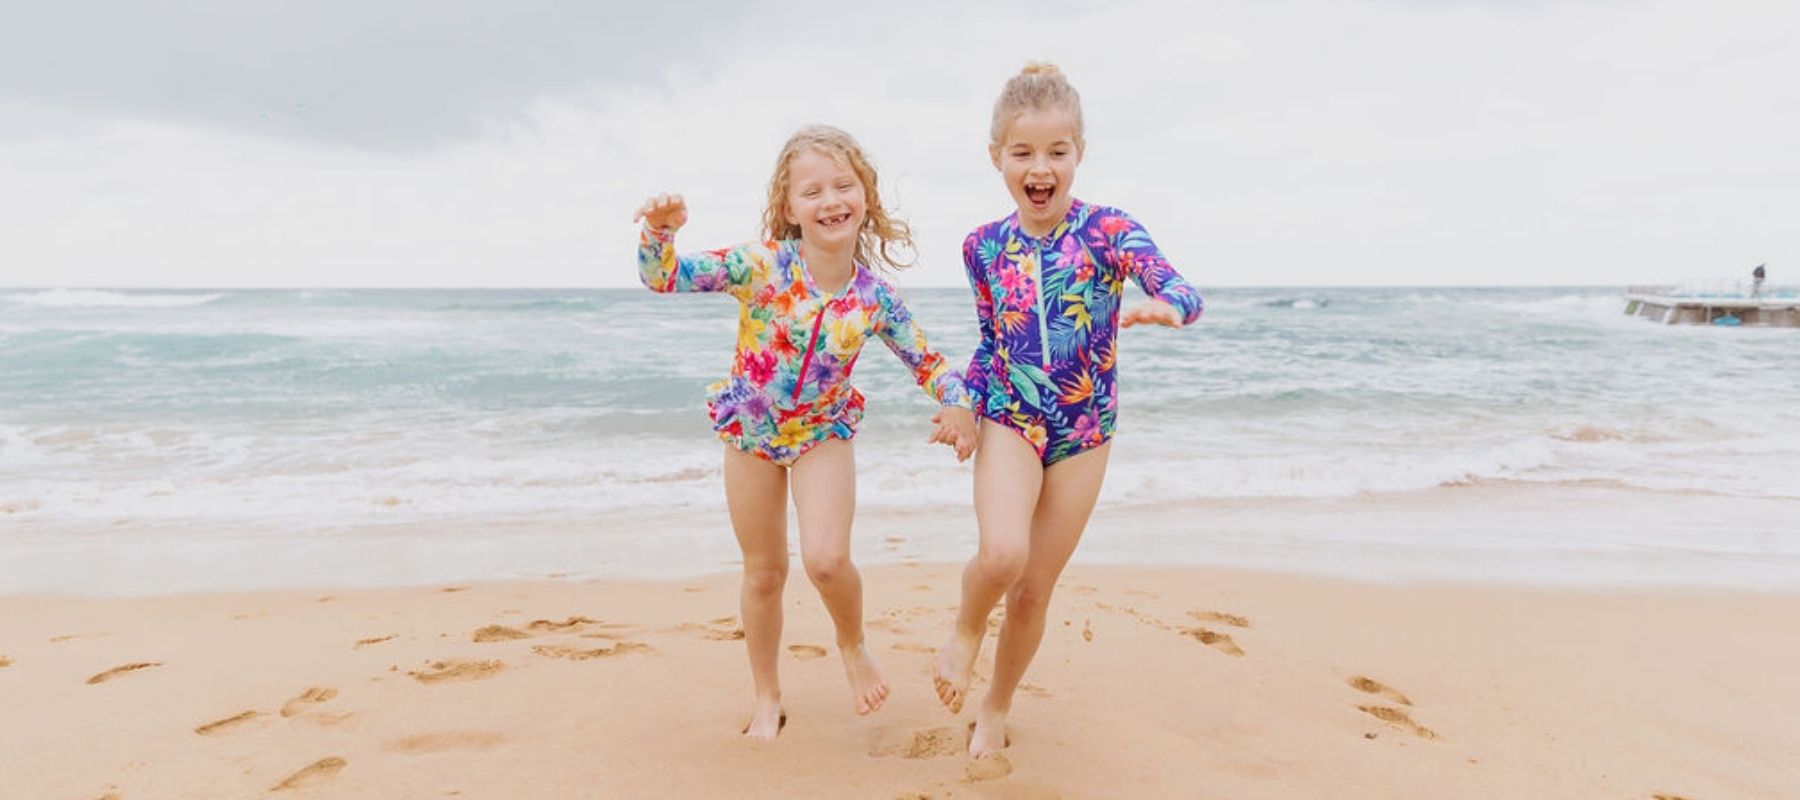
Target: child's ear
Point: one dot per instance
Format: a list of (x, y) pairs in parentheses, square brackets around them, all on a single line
[(994, 155)]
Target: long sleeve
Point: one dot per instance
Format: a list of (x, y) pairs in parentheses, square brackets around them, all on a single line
[(1136, 256), (896, 327), (728, 270), (976, 376)]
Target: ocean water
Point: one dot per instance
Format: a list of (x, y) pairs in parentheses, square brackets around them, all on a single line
[(293, 413)]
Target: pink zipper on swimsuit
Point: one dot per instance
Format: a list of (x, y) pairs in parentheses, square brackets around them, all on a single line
[(806, 360)]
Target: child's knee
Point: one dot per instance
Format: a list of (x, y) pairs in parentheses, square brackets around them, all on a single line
[(828, 568), (1028, 600), (765, 581), (1001, 564)]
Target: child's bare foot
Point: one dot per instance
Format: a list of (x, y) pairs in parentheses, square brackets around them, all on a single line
[(988, 735), (867, 686), (955, 663), (766, 720)]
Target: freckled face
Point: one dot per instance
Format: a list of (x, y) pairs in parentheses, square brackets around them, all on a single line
[(1037, 159), (825, 198)]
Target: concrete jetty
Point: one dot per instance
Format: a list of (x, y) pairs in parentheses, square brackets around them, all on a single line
[(1769, 307)]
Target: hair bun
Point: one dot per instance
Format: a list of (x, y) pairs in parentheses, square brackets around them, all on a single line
[(1040, 68)]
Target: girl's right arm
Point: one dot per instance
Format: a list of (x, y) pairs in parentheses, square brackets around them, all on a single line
[(661, 270), (976, 378)]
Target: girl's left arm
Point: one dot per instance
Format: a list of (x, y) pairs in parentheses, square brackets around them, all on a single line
[(895, 325), (1136, 256)]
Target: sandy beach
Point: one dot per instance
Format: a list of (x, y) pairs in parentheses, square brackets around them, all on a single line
[(1153, 682)]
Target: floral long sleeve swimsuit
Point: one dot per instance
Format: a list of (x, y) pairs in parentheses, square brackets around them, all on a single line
[(789, 387), (1049, 314)]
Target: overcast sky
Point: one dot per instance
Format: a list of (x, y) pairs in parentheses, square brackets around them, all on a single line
[(431, 143)]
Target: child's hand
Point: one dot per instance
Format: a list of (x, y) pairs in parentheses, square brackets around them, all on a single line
[(1150, 311), (664, 212), (956, 427)]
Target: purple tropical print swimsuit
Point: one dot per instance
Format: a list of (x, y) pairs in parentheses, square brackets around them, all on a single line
[(1049, 314)]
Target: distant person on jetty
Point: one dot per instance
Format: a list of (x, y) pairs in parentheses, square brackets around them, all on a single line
[(1048, 280), (1756, 280), (808, 299)]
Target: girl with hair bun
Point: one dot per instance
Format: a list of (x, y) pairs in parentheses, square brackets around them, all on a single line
[(1049, 280)]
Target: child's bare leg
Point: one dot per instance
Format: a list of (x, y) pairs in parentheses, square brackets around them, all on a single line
[(824, 488), (1006, 490), (755, 492), (1070, 489)]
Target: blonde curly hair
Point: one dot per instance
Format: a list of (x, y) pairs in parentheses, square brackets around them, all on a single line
[(884, 241), (1040, 85)]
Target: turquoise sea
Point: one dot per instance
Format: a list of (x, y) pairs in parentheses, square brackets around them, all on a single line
[(176, 421)]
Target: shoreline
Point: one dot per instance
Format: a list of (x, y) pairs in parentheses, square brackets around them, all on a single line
[(1596, 536), (1246, 683)]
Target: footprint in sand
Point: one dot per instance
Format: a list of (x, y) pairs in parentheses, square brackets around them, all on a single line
[(1215, 640), (939, 742), (453, 589), (913, 647), (1375, 687), (220, 726), (498, 633), (122, 670), (1399, 719), (579, 654), (807, 652), (548, 626), (1661, 796), (427, 743), (717, 632), (1221, 617), (5, 662), (307, 699), (360, 643), (452, 671), (991, 767), (502, 633), (1033, 689), (1087, 630), (313, 774)]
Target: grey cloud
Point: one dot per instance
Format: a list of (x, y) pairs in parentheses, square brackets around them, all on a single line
[(391, 76)]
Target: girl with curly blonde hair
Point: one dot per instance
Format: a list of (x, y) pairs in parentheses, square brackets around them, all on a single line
[(808, 299)]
